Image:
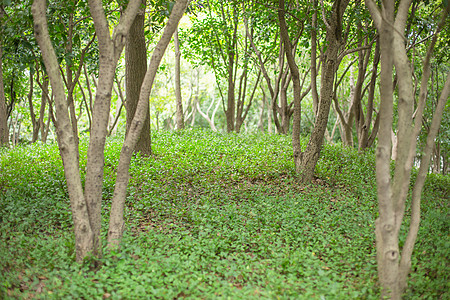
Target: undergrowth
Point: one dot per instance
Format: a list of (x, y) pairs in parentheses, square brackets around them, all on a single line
[(210, 216)]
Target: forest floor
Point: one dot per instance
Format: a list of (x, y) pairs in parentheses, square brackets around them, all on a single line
[(213, 216)]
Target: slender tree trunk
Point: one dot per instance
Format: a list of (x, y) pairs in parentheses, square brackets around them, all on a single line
[(315, 95), (296, 83), (35, 123), (284, 106), (136, 66), (4, 130), (206, 115), (364, 137), (116, 224), (261, 112), (230, 112), (44, 100), (82, 228), (86, 208), (180, 114), (71, 83)]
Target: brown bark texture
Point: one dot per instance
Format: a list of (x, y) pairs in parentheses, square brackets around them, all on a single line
[(180, 114), (135, 68), (110, 48), (295, 74), (306, 161), (4, 130)]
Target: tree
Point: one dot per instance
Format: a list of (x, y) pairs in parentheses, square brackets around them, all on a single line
[(393, 265), (86, 206), (305, 162), (260, 25), (136, 67), (4, 130), (180, 114), (216, 41)]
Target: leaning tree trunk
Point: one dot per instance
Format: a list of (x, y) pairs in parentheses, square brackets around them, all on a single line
[(136, 67), (117, 223), (306, 162), (295, 75), (86, 208), (82, 228)]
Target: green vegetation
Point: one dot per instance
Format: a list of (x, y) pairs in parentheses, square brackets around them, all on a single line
[(213, 216)]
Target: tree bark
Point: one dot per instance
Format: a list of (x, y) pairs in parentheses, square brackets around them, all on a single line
[(315, 95), (82, 228), (295, 74), (34, 122), (136, 66), (393, 267), (4, 130), (116, 224), (180, 114), (86, 209), (306, 162)]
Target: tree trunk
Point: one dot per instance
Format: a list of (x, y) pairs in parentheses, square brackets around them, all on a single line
[(4, 130), (315, 95), (393, 266), (86, 208), (306, 163), (261, 111), (35, 123), (284, 106), (71, 83), (230, 112), (206, 115), (180, 114), (68, 150), (116, 224), (364, 137), (136, 66)]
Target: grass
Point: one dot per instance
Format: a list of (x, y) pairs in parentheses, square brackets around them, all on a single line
[(213, 216)]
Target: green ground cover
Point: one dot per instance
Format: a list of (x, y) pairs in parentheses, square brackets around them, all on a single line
[(213, 216)]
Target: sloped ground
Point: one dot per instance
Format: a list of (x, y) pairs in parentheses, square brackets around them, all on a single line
[(213, 216)]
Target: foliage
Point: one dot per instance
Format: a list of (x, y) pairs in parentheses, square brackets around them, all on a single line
[(212, 216)]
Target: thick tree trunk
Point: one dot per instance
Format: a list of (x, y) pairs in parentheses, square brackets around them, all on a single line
[(180, 114), (4, 130), (393, 266), (136, 66), (307, 161)]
